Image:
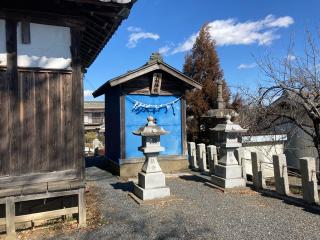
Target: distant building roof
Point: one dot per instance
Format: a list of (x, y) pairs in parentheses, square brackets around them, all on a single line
[(94, 105)]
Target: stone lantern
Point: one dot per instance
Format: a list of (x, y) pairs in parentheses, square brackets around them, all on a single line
[(151, 179), (228, 172)]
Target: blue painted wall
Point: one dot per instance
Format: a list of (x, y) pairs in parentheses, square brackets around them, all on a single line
[(170, 120)]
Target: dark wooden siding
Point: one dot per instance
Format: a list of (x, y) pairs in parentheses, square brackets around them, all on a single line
[(44, 128), (113, 138)]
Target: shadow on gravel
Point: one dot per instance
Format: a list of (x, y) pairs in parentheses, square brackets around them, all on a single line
[(291, 200), (95, 161), (194, 178), (124, 186), (96, 174)]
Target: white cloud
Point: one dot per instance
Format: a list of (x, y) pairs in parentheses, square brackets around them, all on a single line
[(134, 29), (164, 50), (247, 66), (87, 93), (137, 34), (187, 45), (291, 57), (232, 32)]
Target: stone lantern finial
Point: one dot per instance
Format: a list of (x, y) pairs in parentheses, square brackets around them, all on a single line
[(220, 102), (155, 57), (150, 120)]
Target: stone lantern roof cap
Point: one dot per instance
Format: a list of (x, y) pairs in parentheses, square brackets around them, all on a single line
[(150, 129), (229, 127)]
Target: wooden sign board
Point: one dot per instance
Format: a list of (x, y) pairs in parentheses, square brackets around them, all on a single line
[(156, 83)]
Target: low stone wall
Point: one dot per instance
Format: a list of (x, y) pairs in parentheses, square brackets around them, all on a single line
[(267, 145), (204, 159)]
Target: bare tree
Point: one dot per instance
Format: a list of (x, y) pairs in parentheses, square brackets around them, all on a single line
[(291, 95)]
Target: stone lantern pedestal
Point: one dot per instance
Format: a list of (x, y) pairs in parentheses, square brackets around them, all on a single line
[(228, 172), (151, 179)]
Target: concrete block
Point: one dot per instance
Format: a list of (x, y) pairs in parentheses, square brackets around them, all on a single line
[(233, 171), (281, 174), (238, 153), (202, 157), (151, 180), (153, 193), (228, 183), (309, 180), (258, 179), (192, 156), (212, 157)]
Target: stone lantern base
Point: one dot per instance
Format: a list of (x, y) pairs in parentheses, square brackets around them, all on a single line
[(151, 186), (228, 176)]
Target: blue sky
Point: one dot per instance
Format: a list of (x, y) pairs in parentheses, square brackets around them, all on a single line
[(243, 29)]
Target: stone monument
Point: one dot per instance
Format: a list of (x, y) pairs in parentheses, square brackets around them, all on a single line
[(151, 179), (228, 171), (215, 116)]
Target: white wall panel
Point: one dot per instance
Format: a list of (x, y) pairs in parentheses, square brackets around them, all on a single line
[(49, 47), (3, 55)]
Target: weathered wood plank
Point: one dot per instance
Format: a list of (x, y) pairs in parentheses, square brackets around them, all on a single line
[(22, 198), (183, 126), (54, 122), (77, 103), (28, 147), (46, 215), (10, 218), (14, 108), (82, 217), (41, 86), (37, 178), (4, 123), (67, 129)]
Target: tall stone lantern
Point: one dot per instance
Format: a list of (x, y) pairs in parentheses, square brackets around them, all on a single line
[(151, 179), (228, 172)]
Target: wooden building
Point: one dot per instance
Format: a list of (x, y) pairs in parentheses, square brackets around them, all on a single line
[(45, 46), (154, 89), (94, 116)]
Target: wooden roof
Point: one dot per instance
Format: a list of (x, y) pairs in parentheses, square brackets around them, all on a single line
[(147, 68), (99, 19)]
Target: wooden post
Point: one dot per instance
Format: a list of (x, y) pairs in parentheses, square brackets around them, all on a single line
[(10, 218), (77, 103), (82, 217), (13, 82)]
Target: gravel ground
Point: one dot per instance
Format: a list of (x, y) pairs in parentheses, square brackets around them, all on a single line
[(198, 212)]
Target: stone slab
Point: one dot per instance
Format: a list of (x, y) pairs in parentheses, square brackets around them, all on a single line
[(151, 180), (241, 190), (149, 194), (158, 201), (228, 183), (233, 171)]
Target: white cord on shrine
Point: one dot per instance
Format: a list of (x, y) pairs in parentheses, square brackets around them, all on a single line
[(140, 105)]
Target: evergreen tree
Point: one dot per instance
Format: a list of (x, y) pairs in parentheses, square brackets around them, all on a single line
[(202, 64)]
